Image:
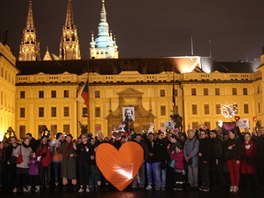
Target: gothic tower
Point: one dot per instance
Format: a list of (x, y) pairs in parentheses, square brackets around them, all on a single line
[(29, 47), (104, 46), (69, 45)]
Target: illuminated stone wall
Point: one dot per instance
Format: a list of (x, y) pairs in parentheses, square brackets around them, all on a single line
[(7, 89)]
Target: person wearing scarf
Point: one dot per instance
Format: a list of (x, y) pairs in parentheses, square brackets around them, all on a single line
[(68, 164), (22, 168)]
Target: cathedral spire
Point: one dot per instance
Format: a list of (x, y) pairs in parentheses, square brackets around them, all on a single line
[(29, 47), (69, 16), (69, 46), (30, 22), (103, 46)]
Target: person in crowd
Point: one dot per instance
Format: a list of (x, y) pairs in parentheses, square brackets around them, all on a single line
[(204, 160), (260, 157), (150, 160), (94, 180), (84, 152), (57, 158), (10, 165), (2, 164), (248, 163), (161, 158), (140, 178), (191, 150), (33, 142), (68, 164), (45, 157), (233, 154), (216, 163), (177, 158), (33, 172), (23, 153)]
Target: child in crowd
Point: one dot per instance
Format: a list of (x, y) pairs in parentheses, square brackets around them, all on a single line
[(33, 173), (178, 158)]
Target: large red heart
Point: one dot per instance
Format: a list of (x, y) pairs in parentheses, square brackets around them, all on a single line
[(119, 167)]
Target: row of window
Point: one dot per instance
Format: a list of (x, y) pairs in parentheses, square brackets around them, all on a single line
[(66, 110), (41, 94), (41, 112), (218, 92), (206, 109), (53, 93)]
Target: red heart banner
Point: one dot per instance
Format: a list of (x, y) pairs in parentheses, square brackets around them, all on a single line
[(119, 167), (237, 118)]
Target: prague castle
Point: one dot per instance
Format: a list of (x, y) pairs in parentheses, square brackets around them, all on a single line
[(37, 92)]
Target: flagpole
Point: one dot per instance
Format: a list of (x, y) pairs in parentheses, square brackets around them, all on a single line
[(88, 106)]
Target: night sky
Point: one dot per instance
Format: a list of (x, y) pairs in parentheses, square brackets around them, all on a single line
[(148, 28)]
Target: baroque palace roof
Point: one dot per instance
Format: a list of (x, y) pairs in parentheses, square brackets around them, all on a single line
[(142, 65)]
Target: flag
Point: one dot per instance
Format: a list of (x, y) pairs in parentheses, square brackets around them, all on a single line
[(84, 95)]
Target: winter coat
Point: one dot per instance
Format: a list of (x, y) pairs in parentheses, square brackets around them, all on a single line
[(26, 152), (68, 164), (248, 164), (160, 151), (44, 151), (216, 147), (178, 160), (84, 152), (204, 150), (235, 153), (191, 149), (150, 151), (34, 165)]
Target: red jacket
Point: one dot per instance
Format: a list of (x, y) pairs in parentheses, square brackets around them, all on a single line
[(178, 159), (44, 151), (248, 165)]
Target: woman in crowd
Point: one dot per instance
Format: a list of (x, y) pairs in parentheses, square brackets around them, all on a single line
[(57, 158), (10, 166), (44, 156), (233, 154), (84, 152), (68, 164), (248, 164), (23, 153)]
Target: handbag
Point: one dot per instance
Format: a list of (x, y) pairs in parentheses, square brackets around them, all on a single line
[(19, 159)]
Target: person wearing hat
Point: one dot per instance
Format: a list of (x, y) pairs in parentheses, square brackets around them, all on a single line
[(68, 164)]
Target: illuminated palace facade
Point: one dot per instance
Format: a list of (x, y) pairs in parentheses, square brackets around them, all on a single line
[(47, 90)]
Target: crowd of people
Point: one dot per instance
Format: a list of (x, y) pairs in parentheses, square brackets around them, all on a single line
[(205, 160)]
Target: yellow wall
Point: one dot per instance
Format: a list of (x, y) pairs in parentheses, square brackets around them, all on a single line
[(7, 89)]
